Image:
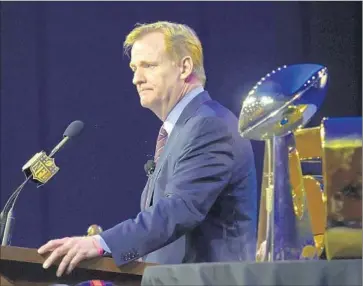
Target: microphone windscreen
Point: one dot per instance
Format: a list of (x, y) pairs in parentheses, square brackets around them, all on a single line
[(74, 129)]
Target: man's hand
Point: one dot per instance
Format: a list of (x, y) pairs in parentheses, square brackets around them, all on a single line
[(74, 250)]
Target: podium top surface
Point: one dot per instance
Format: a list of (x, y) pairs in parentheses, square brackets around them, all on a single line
[(30, 255), (25, 264)]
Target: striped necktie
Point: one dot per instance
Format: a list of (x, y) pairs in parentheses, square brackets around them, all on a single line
[(160, 143)]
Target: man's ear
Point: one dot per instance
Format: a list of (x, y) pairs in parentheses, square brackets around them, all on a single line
[(186, 67)]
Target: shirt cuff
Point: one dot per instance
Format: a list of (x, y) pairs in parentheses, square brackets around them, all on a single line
[(102, 243)]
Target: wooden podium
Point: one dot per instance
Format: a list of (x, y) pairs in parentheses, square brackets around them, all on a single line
[(23, 266)]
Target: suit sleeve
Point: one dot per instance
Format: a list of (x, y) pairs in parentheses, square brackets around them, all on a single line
[(201, 173)]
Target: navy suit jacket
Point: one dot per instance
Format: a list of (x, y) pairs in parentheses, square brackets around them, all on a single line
[(201, 202)]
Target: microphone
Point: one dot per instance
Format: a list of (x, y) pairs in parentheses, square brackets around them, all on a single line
[(43, 167), (149, 167), (73, 130), (40, 169)]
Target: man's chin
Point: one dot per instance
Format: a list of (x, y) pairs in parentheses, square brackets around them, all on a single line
[(145, 103)]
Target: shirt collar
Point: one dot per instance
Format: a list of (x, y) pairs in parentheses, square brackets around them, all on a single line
[(175, 113)]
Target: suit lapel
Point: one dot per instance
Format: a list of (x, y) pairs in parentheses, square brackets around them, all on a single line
[(144, 194), (188, 112)]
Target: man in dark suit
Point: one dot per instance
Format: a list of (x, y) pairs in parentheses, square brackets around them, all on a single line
[(199, 205)]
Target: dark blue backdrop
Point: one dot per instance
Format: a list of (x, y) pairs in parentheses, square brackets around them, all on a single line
[(62, 61)]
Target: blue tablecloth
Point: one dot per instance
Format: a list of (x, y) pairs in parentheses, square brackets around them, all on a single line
[(299, 273)]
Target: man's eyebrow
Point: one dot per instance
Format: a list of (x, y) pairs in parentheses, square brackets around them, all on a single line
[(132, 65)]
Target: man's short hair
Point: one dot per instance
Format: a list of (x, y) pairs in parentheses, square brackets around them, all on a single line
[(180, 41)]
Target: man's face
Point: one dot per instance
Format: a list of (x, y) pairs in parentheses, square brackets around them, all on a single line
[(156, 75)]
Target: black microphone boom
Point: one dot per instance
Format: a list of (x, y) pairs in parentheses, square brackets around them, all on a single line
[(30, 169)]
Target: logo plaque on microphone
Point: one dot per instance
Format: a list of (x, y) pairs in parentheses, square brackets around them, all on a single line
[(41, 167)]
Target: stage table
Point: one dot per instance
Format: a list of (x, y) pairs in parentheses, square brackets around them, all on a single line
[(299, 273)]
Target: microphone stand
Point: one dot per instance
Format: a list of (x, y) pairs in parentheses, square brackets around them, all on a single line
[(7, 217)]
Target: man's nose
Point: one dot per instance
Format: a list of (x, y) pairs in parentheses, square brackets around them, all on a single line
[(138, 78)]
